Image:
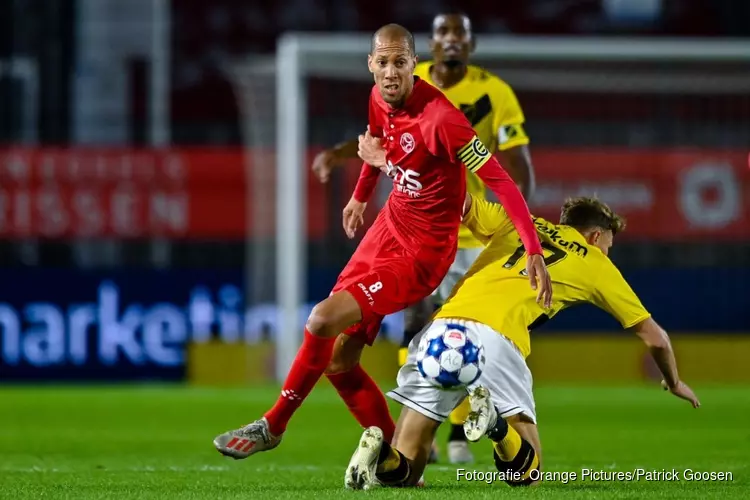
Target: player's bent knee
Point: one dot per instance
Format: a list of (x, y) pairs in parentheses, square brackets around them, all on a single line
[(333, 315), (318, 321)]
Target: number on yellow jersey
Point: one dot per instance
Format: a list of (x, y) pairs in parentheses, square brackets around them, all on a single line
[(556, 255)]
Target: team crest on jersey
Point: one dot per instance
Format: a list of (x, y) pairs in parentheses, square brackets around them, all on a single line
[(407, 142)]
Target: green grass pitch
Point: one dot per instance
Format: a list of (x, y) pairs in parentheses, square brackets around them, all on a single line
[(155, 442)]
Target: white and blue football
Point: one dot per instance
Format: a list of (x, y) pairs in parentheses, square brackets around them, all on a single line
[(450, 356)]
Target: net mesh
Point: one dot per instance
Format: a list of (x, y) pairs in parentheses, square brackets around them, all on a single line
[(255, 89)]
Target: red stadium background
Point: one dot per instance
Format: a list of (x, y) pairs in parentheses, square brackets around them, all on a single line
[(669, 195)]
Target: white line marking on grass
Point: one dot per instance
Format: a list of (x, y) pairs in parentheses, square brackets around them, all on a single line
[(195, 468), (169, 468)]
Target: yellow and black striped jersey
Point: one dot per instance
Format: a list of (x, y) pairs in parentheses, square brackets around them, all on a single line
[(495, 114)]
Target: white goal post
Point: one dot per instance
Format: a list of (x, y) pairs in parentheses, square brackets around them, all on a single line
[(301, 55)]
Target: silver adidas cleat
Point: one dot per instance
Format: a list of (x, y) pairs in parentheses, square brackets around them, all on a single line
[(459, 453), (483, 415), (360, 473), (245, 441)]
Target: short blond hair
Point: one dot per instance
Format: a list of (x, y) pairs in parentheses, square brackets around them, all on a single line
[(585, 213)]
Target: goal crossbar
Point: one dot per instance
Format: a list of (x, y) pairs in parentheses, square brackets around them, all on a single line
[(301, 55)]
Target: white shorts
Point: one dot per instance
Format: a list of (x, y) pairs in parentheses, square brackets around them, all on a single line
[(465, 257), (505, 374)]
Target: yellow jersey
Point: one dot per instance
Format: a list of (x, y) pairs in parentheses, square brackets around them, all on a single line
[(493, 110), (496, 290)]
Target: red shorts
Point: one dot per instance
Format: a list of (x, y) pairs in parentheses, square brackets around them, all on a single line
[(384, 278)]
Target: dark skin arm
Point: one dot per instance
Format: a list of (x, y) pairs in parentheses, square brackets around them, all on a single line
[(327, 160), (659, 346), (517, 162)]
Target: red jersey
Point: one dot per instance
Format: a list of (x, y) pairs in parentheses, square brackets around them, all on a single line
[(428, 142)]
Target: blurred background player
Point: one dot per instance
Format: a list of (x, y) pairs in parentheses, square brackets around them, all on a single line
[(407, 251), (493, 110), (493, 303)]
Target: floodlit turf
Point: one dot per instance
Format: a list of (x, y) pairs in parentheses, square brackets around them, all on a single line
[(155, 442)]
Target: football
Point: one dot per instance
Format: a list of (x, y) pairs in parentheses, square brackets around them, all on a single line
[(450, 357)]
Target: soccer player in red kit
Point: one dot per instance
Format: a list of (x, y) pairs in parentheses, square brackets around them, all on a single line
[(423, 142)]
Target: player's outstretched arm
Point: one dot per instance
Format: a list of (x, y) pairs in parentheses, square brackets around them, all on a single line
[(329, 159), (449, 133), (513, 143), (500, 183), (484, 218), (517, 161), (495, 178), (660, 347)]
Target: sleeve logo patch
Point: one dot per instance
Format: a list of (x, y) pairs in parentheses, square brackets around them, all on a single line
[(508, 133)]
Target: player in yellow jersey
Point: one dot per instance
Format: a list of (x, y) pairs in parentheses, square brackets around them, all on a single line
[(494, 301), (495, 114)]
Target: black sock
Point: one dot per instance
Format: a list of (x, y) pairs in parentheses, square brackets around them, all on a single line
[(385, 452), (457, 433), (500, 430)]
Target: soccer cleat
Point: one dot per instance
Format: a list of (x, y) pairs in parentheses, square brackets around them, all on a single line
[(459, 452), (360, 473), (483, 415), (245, 441)]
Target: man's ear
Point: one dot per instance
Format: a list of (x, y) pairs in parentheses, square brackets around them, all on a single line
[(595, 236)]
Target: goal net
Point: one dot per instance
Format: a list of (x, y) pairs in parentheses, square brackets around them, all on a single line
[(656, 128)]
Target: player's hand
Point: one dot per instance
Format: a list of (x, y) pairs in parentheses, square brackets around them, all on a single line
[(353, 217), (371, 150), (682, 391), (323, 164), (540, 280)]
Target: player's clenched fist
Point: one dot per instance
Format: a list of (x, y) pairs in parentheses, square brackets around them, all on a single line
[(353, 216), (323, 164), (371, 150), (540, 280)]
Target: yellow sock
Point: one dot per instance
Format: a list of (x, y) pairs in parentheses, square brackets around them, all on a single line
[(516, 454), (458, 416), (402, 354), (508, 447), (393, 468), (391, 461)]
